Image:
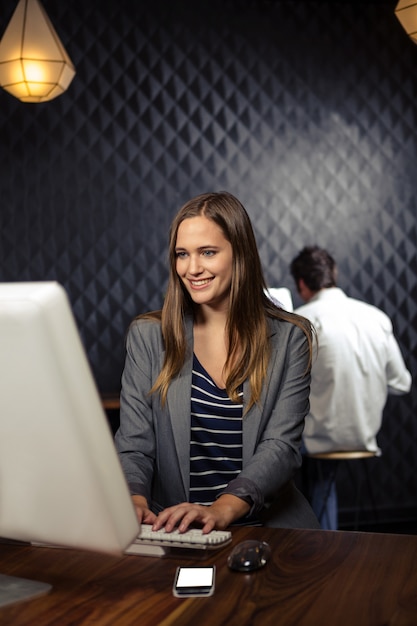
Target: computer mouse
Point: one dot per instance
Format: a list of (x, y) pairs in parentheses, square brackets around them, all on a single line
[(249, 555)]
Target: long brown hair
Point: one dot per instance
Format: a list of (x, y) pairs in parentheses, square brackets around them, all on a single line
[(247, 326)]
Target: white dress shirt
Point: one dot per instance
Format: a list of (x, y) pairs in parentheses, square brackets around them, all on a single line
[(358, 363)]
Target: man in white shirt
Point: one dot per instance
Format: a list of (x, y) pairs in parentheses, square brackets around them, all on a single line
[(358, 363)]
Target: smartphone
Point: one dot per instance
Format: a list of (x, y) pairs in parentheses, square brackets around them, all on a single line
[(194, 582)]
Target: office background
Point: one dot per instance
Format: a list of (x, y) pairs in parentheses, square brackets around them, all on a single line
[(306, 110)]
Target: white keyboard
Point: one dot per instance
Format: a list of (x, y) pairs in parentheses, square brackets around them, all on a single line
[(159, 542)]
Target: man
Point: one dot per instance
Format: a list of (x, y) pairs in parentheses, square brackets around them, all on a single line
[(358, 363)]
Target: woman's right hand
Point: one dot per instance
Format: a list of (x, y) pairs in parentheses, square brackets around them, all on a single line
[(145, 515)]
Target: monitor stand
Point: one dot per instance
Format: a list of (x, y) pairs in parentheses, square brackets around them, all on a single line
[(14, 589)]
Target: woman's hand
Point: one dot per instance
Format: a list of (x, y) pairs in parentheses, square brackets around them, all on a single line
[(218, 515), (145, 515)]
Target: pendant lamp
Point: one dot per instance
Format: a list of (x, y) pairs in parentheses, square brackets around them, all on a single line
[(406, 11), (34, 66)]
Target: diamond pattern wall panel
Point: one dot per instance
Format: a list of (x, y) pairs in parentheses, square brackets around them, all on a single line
[(305, 110)]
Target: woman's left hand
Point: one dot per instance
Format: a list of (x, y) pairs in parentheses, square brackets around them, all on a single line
[(218, 515)]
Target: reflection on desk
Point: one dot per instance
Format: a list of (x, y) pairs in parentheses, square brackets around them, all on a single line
[(313, 578)]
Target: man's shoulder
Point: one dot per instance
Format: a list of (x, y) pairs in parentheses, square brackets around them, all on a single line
[(335, 301), (370, 310)]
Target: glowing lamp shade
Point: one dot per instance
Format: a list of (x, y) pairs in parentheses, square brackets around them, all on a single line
[(34, 66), (406, 11)]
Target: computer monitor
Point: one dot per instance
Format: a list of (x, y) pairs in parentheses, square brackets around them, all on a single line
[(61, 482), (282, 297)]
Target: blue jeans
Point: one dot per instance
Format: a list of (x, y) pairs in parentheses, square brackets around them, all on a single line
[(319, 480), (324, 494)]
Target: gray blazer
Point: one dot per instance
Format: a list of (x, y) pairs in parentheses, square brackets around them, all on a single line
[(153, 442)]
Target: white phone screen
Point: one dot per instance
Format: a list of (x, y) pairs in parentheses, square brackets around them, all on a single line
[(194, 581)]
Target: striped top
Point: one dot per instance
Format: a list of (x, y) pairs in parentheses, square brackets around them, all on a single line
[(216, 437)]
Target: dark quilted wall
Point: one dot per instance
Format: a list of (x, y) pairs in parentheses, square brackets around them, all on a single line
[(305, 110)]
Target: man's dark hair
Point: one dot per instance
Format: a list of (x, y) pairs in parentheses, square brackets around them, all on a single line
[(316, 267)]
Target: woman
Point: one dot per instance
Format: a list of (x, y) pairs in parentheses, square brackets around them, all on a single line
[(216, 385)]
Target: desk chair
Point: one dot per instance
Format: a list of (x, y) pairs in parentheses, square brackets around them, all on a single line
[(347, 456)]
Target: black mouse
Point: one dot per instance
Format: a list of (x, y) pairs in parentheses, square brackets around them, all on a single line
[(249, 555)]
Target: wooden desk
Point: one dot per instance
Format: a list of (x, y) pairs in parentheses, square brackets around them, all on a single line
[(315, 578), (110, 401)]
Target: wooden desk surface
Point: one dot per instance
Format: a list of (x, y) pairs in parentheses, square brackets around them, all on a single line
[(110, 401), (314, 578)]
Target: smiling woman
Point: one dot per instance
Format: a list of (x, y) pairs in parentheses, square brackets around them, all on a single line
[(204, 263), (216, 385)]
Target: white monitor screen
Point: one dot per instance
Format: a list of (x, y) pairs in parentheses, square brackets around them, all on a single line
[(282, 297), (60, 478)]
